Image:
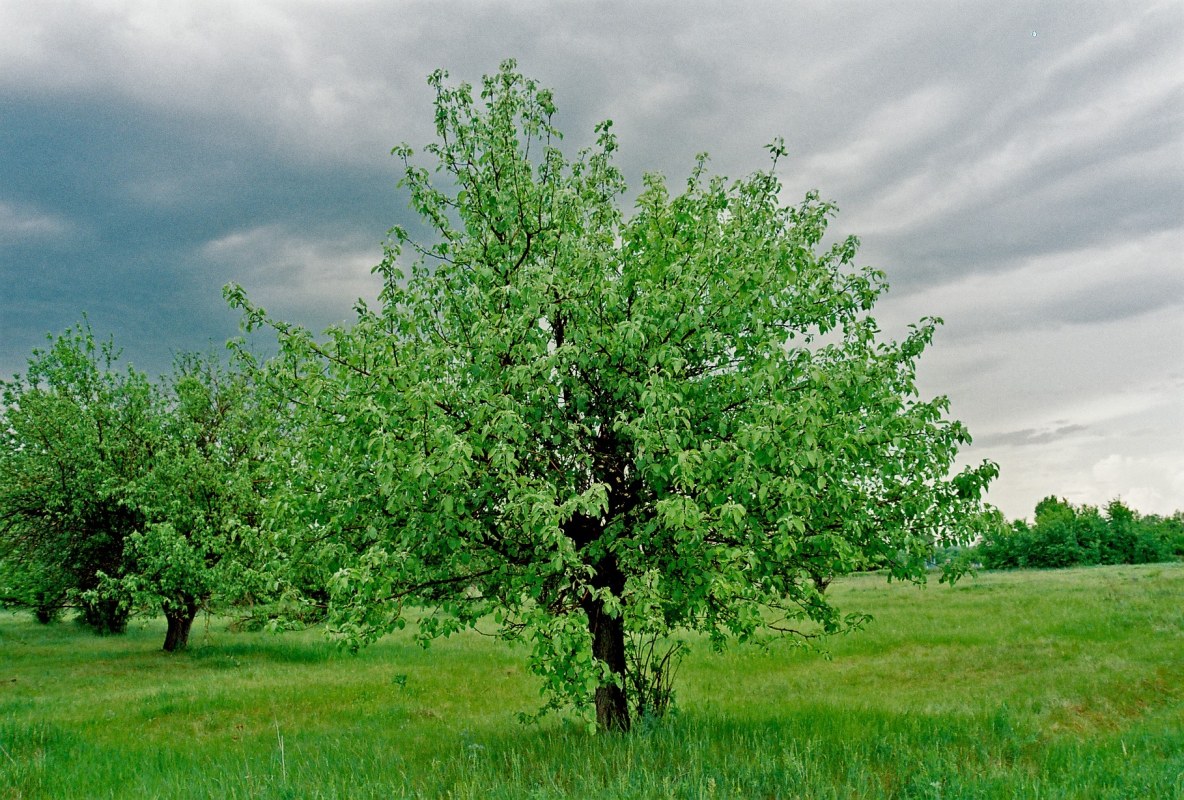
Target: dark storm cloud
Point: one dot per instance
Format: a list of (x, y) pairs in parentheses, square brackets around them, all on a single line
[(1063, 146), (1118, 301), (106, 207), (1082, 299)]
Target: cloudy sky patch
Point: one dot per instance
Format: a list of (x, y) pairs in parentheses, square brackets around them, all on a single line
[(1015, 167), (21, 223), (313, 280)]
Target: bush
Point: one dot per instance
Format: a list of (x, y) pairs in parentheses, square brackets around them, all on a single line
[(1064, 535)]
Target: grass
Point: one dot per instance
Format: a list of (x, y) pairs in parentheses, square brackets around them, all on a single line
[(1062, 684)]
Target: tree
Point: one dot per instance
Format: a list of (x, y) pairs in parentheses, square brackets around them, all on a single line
[(1053, 542), (1119, 546), (75, 433), (1005, 545), (1091, 531), (601, 430), (196, 501)]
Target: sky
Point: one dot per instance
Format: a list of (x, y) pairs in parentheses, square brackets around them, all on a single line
[(1015, 167)]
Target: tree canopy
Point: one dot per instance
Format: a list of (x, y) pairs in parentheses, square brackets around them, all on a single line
[(598, 429)]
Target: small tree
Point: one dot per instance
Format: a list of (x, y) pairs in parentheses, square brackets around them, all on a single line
[(197, 500), (1091, 533), (41, 587), (1119, 546), (602, 430), (1004, 545), (1053, 541), (75, 433), (1065, 535), (118, 495)]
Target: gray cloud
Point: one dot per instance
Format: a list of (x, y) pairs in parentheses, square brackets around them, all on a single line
[(1029, 437)]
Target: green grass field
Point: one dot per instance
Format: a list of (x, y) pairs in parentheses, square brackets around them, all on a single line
[(1062, 684)]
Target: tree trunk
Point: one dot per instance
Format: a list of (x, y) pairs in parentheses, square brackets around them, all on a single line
[(105, 617), (180, 619), (608, 645)]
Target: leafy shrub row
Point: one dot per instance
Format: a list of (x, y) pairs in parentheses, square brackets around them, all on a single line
[(1064, 535)]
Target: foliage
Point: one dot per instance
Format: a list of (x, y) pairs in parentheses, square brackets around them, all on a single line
[(1065, 535), (593, 427), (75, 434)]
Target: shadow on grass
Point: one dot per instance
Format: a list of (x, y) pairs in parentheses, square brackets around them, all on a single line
[(71, 647), (277, 648)]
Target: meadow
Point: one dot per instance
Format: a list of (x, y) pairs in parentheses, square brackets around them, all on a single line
[(1058, 684)]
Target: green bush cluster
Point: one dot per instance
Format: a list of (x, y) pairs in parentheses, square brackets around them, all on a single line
[(1064, 535)]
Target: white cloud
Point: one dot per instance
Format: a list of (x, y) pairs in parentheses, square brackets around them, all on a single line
[(1049, 402), (1151, 485), (20, 223), (298, 277)]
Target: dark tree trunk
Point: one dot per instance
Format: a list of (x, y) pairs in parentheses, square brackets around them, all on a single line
[(105, 617), (180, 619), (608, 645)]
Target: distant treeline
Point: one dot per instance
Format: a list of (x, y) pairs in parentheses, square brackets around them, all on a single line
[(1064, 535)]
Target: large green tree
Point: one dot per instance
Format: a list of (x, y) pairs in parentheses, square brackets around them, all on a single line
[(599, 429)]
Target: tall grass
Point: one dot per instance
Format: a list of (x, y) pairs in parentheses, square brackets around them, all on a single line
[(1052, 685)]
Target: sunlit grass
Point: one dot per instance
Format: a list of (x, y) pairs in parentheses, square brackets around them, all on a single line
[(1028, 684)]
